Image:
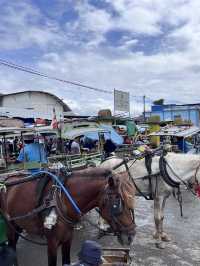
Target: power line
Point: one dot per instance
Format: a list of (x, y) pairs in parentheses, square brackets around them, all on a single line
[(35, 72), (44, 75)]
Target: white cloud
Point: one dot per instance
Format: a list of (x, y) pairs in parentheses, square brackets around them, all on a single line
[(171, 73), (21, 27)]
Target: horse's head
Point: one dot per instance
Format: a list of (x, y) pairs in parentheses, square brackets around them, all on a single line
[(117, 207)]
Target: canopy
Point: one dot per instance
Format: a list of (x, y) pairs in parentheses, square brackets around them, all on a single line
[(109, 133), (177, 131), (77, 132), (77, 128)]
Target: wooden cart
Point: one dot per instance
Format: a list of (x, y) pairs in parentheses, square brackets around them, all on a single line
[(116, 256)]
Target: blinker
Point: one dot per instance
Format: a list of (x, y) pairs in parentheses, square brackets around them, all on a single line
[(117, 207)]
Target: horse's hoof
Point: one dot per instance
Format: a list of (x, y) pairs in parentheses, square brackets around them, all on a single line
[(155, 235), (165, 237), (160, 245)]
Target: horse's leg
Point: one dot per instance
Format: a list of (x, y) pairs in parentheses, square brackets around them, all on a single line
[(164, 235), (66, 247), (52, 252), (158, 222)]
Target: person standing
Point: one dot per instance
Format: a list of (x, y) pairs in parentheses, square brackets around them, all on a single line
[(32, 152), (109, 147), (75, 146)]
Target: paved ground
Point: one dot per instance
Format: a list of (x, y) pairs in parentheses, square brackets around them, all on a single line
[(183, 250)]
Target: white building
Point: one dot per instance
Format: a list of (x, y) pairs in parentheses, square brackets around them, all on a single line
[(32, 104)]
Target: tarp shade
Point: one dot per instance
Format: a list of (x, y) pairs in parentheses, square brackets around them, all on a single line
[(131, 128), (112, 134)]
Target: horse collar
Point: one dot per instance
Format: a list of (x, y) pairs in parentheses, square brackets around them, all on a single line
[(166, 177)]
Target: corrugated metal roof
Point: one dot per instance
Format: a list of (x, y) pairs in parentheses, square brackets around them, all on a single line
[(14, 130), (177, 131), (77, 132), (66, 108)]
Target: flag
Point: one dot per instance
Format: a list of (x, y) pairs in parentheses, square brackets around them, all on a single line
[(54, 122)]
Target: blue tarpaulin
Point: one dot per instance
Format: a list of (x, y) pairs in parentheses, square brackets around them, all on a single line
[(112, 134)]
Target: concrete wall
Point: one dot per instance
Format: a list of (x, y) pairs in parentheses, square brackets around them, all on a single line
[(191, 114)]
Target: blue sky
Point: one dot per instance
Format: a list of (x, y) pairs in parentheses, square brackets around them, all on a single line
[(149, 47)]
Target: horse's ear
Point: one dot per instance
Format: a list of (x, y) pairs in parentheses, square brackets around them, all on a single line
[(111, 182)]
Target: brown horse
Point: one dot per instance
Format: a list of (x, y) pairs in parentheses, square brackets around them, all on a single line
[(89, 188)]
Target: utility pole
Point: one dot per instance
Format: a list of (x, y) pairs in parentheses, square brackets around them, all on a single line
[(144, 105)]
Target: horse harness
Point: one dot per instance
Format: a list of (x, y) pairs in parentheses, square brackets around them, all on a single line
[(116, 207), (148, 164), (51, 200), (54, 200), (163, 164)]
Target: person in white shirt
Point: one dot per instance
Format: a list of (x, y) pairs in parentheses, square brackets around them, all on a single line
[(75, 147)]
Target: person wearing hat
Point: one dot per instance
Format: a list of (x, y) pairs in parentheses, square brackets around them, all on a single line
[(32, 152), (90, 254)]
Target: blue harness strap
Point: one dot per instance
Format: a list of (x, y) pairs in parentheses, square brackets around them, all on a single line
[(66, 192)]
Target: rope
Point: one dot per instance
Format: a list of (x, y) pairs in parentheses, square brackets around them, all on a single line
[(35, 176), (67, 194), (130, 176), (133, 181)]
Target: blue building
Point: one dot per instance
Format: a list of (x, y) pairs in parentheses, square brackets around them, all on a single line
[(166, 112)]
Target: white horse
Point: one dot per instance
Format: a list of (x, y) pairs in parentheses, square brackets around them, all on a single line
[(179, 167)]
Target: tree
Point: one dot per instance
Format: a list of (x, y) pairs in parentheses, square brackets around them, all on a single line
[(159, 102)]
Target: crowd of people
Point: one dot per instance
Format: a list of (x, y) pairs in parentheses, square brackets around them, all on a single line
[(34, 148)]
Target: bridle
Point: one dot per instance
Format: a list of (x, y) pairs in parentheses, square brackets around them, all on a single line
[(115, 203), (116, 208)]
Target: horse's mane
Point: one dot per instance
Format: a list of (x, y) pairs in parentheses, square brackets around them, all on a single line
[(92, 173)]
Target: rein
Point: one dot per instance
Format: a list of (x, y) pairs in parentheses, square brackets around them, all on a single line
[(36, 176), (55, 202), (124, 162), (133, 181), (63, 188)]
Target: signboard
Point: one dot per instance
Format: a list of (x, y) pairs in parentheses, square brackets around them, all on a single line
[(121, 101)]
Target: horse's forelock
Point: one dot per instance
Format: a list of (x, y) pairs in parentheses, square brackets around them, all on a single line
[(126, 189), (128, 194)]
